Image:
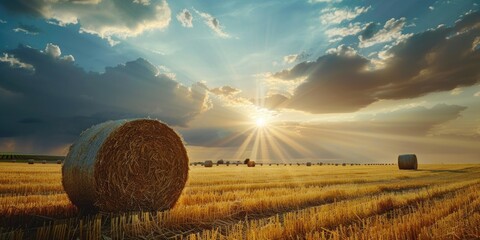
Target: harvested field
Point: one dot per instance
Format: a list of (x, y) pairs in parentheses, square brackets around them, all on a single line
[(273, 202)]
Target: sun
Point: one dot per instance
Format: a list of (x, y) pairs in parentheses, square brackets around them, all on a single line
[(260, 122)]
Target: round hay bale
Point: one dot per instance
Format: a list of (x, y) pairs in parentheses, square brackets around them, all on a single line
[(31, 161), (44, 161), (208, 163), (59, 161), (251, 163), (407, 161), (344, 164), (126, 165), (309, 164)]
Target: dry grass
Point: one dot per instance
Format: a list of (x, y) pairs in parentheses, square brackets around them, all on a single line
[(272, 202)]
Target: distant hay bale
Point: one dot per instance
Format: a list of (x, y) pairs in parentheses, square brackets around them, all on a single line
[(59, 161), (309, 164), (407, 161), (344, 164), (31, 161), (251, 163), (44, 161), (261, 164), (126, 165), (208, 163)]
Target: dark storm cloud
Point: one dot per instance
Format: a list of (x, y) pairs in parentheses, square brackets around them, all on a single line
[(436, 60), (58, 98)]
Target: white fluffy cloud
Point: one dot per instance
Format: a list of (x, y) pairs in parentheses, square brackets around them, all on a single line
[(185, 18), (296, 57), (213, 24), (392, 30), (351, 29), (15, 62), (53, 50), (335, 15), (105, 18)]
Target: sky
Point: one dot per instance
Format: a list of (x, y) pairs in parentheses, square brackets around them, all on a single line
[(275, 81)]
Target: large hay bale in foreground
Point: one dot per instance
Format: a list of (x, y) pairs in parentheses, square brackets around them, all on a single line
[(251, 163), (407, 161), (126, 165), (208, 163)]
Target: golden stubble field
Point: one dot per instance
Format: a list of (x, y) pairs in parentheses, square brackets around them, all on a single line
[(265, 202)]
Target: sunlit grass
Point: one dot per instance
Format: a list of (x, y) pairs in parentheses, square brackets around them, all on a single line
[(263, 202)]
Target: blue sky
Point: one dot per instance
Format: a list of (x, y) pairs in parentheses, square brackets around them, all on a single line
[(225, 64)]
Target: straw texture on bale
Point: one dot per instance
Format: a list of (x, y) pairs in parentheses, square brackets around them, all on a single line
[(208, 164), (407, 161), (126, 165), (251, 163)]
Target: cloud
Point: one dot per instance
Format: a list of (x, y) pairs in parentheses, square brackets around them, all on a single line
[(143, 2), (351, 29), (65, 99), (456, 91), (296, 57), (383, 135), (335, 15), (431, 8), (27, 29), (225, 91), (213, 24), (14, 62), (53, 50), (2, 21), (368, 31), (476, 44), (392, 30), (477, 94), (411, 121), (436, 60), (106, 18), (185, 18)]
